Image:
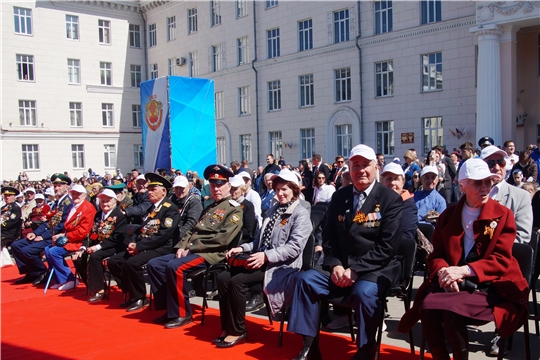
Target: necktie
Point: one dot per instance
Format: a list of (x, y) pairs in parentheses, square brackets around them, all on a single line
[(359, 198)]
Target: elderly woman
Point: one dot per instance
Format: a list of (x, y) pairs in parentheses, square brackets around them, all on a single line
[(410, 167), (105, 239), (473, 277), (276, 257)]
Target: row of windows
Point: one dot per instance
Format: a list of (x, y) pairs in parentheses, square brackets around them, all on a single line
[(430, 13), (28, 114)]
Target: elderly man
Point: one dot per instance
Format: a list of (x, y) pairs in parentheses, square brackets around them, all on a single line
[(206, 244), (153, 238), (253, 197), (120, 190), (189, 207), (27, 251), (363, 231), (428, 198), (29, 202), (11, 216), (141, 202)]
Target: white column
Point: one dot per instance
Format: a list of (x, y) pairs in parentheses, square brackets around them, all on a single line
[(488, 89)]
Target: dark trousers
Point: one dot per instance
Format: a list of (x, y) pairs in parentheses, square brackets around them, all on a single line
[(90, 268), (446, 193), (27, 255), (128, 271), (168, 278), (311, 286), (233, 286), (435, 323)]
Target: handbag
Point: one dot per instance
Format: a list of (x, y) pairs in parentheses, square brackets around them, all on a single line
[(239, 260)]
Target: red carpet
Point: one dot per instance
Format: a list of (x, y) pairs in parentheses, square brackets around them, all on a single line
[(61, 325)]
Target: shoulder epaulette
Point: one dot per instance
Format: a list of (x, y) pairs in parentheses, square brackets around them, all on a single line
[(167, 204), (66, 201), (233, 202)]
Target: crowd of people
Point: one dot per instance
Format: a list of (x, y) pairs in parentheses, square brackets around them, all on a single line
[(258, 221)]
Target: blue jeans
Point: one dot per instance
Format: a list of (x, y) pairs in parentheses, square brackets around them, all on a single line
[(55, 258)]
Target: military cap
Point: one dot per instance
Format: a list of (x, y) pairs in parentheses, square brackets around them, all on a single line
[(117, 188), (60, 179), (157, 180), (8, 190), (217, 174), (486, 141)]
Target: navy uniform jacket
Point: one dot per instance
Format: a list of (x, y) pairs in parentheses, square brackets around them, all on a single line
[(158, 228), (141, 203), (368, 248), (11, 221), (64, 207)]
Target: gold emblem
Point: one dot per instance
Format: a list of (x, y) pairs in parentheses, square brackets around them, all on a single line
[(217, 169), (168, 222), (235, 219), (154, 114), (377, 207), (167, 205)]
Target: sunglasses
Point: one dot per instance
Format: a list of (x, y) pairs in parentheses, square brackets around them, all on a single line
[(340, 161), (321, 177), (415, 177), (492, 163)]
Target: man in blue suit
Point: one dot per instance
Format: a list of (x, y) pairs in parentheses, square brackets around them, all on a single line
[(362, 234)]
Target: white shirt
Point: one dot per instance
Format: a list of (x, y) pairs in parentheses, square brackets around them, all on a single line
[(511, 160), (254, 198), (323, 194), (73, 211)]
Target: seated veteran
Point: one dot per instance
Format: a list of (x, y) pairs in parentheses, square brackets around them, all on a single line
[(473, 277), (361, 237), (107, 237), (205, 244), (152, 239), (93, 197), (249, 219), (11, 216), (120, 190), (141, 201), (27, 251), (76, 228), (275, 258), (189, 207), (37, 215), (428, 198)]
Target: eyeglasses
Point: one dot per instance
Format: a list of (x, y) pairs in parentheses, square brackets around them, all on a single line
[(321, 177), (492, 163), (341, 161)]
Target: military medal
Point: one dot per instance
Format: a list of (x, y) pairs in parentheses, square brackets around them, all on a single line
[(340, 218), (360, 217)]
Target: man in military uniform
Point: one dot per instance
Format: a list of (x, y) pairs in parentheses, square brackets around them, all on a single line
[(153, 238), (11, 216), (27, 251), (124, 201), (206, 244)]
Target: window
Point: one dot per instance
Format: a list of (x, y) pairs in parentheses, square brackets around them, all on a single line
[(245, 147), (307, 143), (138, 156), (171, 28), (241, 8), (305, 35), (152, 35), (215, 13), (218, 105), (433, 132), (274, 95), (384, 78), (193, 64), (243, 50), (192, 20), (271, 3), (217, 52), (136, 75), (134, 36), (343, 86), (385, 137), (431, 11), (221, 150), (72, 27), (105, 70), (341, 26), (306, 90), (27, 112), (74, 71), (25, 67), (77, 156), (343, 139), (276, 144), (136, 115), (243, 101), (23, 20), (171, 66), (383, 17), (110, 156), (273, 43), (104, 31), (30, 157), (107, 115), (432, 72), (75, 114), (153, 71)]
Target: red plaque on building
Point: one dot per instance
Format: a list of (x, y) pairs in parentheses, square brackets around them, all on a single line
[(407, 138)]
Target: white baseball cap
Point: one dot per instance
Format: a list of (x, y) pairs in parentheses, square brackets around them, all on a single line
[(236, 181), (39, 196), (49, 191), (364, 151), (492, 150), (30, 189), (140, 177), (78, 188), (394, 169), (286, 175), (429, 169), (180, 181), (475, 169), (107, 193), (245, 175)]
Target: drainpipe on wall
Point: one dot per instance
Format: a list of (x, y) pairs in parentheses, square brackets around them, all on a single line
[(144, 46), (256, 81), (361, 112)]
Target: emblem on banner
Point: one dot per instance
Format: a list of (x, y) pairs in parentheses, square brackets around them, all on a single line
[(153, 114)]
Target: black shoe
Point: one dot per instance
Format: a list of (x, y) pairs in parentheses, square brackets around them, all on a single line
[(97, 297), (309, 353), (138, 305), (181, 321), (126, 304), (163, 319), (255, 303), (218, 339), (239, 340), (41, 278), (27, 279), (366, 352)]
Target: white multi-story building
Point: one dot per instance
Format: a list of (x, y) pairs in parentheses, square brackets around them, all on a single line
[(292, 78)]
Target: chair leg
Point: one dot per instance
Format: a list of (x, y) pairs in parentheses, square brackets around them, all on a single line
[(379, 335), (204, 289), (281, 323), (268, 311), (351, 326), (48, 281), (422, 348), (406, 303), (535, 307), (527, 342), (502, 345)]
